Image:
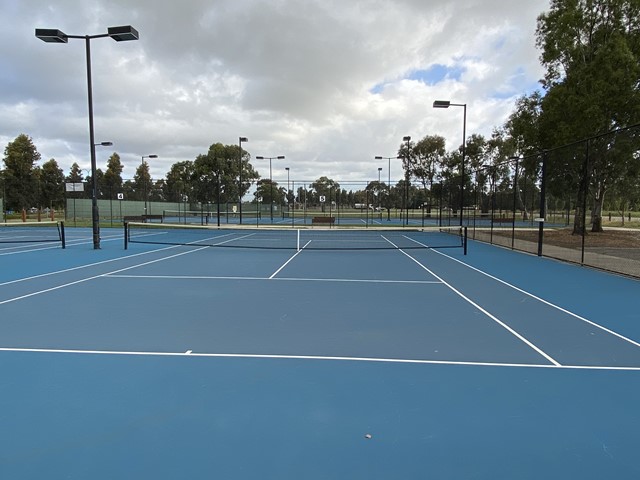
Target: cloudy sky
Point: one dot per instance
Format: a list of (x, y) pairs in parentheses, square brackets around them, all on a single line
[(330, 84)]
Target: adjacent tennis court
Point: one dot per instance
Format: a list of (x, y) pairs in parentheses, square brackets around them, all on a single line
[(321, 354)]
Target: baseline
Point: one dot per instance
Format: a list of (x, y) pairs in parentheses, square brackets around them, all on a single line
[(191, 353)]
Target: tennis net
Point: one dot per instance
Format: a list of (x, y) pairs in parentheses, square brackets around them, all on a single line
[(32, 232), (296, 238)]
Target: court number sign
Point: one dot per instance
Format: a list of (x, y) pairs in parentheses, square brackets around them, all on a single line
[(121, 196), (322, 198)]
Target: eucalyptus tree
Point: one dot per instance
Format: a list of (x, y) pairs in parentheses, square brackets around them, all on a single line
[(591, 52)]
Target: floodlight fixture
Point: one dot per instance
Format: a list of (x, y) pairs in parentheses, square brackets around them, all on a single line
[(441, 104), (51, 35), (123, 33)]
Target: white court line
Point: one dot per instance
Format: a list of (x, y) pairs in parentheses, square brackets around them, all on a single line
[(288, 261), (86, 279), (171, 247), (542, 300), (486, 312), (281, 279), (58, 287), (85, 266), (70, 242), (191, 353)]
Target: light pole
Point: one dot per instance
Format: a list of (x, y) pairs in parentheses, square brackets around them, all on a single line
[(142, 172), (119, 34), (240, 140), (287, 196), (379, 203), (94, 181), (407, 177), (279, 157), (389, 185), (447, 104)]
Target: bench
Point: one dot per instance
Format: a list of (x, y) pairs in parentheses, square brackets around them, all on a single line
[(147, 218), (503, 220), (323, 220), (132, 218)]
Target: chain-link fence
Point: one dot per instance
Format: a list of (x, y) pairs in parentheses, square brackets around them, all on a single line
[(577, 203)]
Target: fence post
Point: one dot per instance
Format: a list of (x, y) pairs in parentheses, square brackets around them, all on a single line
[(543, 201)]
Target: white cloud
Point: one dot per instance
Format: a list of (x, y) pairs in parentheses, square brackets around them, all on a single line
[(296, 77)]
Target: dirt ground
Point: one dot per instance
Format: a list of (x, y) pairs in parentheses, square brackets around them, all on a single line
[(564, 238)]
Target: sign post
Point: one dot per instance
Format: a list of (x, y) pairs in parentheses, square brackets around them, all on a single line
[(74, 187)]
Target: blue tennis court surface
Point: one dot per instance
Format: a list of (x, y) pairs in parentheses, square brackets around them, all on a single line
[(175, 362)]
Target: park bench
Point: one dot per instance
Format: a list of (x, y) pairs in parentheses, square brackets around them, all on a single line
[(323, 220)]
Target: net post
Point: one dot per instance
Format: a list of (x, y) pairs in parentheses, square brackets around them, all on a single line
[(62, 236), (126, 235), (298, 240), (464, 240)]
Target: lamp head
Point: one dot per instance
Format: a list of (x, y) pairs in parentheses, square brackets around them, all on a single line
[(123, 33), (51, 35), (441, 104)]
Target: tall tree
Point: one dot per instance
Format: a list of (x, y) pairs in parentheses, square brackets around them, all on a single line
[(222, 163), (142, 181), (113, 176), (427, 159), (51, 185), (21, 180), (323, 187), (591, 52), (75, 174), (270, 192)]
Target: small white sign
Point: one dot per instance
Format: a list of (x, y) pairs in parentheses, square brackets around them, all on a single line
[(74, 187), (538, 220), (121, 196), (322, 198)]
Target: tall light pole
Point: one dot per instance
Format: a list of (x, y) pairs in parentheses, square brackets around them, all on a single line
[(279, 157), (119, 34), (145, 193), (407, 177), (447, 104), (389, 185), (379, 204), (240, 141), (287, 169), (92, 173)]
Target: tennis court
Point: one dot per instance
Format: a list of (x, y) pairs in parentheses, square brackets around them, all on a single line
[(381, 360)]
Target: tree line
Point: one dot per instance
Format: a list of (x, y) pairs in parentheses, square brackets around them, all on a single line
[(590, 50)]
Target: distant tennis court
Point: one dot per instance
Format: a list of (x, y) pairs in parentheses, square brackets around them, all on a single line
[(312, 353)]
